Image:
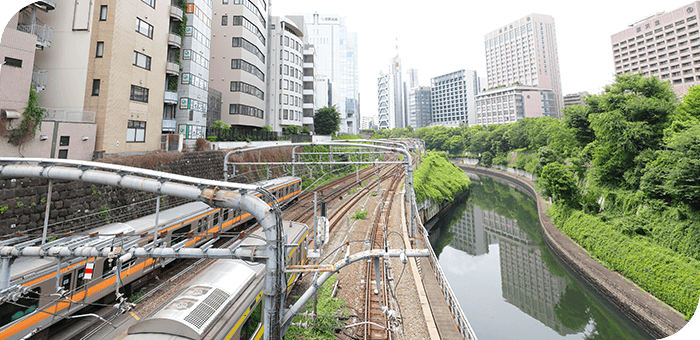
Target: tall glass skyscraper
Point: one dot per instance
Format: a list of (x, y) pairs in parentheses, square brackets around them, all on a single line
[(337, 55)]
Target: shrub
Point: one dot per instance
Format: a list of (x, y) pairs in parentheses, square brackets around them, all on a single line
[(669, 276)]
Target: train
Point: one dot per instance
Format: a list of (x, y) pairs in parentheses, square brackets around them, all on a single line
[(223, 302), (34, 313)]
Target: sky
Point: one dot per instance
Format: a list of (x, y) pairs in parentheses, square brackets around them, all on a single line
[(440, 37)]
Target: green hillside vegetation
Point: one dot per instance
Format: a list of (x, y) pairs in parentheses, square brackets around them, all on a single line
[(623, 172), (438, 179)]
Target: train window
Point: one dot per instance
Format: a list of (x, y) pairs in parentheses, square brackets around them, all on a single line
[(252, 325), (127, 264), (80, 281), (205, 224), (216, 219), (226, 214), (179, 233), (107, 267), (65, 281), (12, 311)]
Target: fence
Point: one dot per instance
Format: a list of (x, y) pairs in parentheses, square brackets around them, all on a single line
[(240, 135), (460, 319)]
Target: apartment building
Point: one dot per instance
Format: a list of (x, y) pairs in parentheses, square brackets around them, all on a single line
[(311, 103), (239, 58), (525, 52), (452, 98), (104, 62), (665, 45), (285, 101), (509, 104)]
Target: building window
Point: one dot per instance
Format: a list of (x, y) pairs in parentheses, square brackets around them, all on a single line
[(63, 154), (13, 62), (103, 13), (225, 2), (64, 141), (142, 61), (151, 3), (139, 93), (95, 87), (136, 131), (224, 20), (144, 28), (100, 49)]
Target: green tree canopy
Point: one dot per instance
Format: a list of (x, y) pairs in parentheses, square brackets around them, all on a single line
[(327, 120), (630, 117)]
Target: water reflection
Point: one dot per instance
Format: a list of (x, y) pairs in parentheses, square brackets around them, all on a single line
[(497, 220)]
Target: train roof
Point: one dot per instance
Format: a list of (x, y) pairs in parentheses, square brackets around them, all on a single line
[(168, 216), (275, 182), (206, 297)]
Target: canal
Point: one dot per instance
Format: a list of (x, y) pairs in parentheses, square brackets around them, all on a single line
[(508, 283)]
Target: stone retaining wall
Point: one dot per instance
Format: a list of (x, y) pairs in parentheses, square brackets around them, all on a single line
[(658, 319)]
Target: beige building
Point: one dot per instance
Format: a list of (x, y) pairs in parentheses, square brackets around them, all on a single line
[(509, 104), (103, 62), (525, 52), (61, 134), (239, 52), (574, 98), (665, 45)]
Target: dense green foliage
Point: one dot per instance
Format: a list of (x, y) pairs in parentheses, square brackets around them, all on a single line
[(328, 309), (670, 276), (438, 179), (625, 165), (31, 121), (326, 120)]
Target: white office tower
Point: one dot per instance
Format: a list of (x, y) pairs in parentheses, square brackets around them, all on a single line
[(385, 97), (412, 78), (452, 97), (524, 52), (399, 114), (336, 51)]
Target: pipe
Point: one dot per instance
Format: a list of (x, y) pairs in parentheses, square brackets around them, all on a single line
[(271, 222)]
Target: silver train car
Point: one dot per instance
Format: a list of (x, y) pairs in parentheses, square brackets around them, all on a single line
[(34, 313), (224, 302)]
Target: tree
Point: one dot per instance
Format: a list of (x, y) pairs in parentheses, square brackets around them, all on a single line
[(327, 120), (576, 119), (629, 118), (559, 183), (486, 158), (305, 131), (291, 130)]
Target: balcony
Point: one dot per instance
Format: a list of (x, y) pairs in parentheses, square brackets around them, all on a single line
[(307, 120), (60, 115), (169, 125), (174, 40), (44, 33), (39, 79), (176, 12), (172, 69), (46, 5), (170, 98)]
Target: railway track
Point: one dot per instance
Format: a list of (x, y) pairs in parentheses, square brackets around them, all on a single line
[(376, 296)]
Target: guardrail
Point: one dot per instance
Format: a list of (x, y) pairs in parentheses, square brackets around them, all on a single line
[(460, 319), (44, 33), (39, 79)]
